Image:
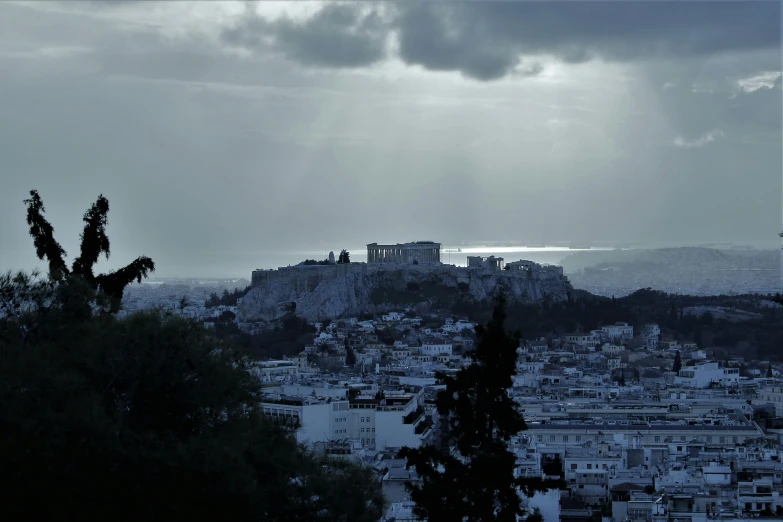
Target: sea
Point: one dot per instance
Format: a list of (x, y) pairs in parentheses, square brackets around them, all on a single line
[(241, 264)]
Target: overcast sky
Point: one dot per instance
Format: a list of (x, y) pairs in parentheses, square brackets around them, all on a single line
[(224, 132)]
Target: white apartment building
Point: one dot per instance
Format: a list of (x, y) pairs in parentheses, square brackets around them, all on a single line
[(391, 422), (617, 332), (586, 340), (672, 434), (274, 371), (773, 394), (435, 348), (704, 374)]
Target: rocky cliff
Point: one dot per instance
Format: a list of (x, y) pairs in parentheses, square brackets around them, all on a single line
[(328, 292)]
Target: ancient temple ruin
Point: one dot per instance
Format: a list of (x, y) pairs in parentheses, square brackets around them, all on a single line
[(418, 252)]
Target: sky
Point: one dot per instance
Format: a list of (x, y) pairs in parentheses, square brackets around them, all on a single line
[(224, 133)]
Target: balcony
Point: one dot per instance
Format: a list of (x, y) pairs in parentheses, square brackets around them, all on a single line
[(413, 416), (423, 427)]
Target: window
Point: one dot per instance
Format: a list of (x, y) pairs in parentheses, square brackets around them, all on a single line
[(682, 438), (578, 438), (551, 438), (573, 466), (657, 438), (723, 440), (565, 438), (734, 440), (709, 438), (589, 466), (539, 437)]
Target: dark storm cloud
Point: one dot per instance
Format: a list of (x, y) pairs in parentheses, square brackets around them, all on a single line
[(337, 36), (484, 40)]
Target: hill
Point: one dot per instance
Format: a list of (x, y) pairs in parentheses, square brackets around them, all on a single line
[(329, 292)]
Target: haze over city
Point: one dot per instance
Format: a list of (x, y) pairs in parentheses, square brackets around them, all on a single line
[(224, 133)]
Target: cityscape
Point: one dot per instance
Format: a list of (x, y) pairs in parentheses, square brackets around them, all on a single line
[(395, 261)]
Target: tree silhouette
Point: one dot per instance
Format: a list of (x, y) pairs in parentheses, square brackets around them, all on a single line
[(350, 355), (43, 237), (344, 257), (476, 482), (677, 363), (94, 242), (148, 417), (769, 370)]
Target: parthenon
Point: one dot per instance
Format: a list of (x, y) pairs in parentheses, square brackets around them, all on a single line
[(418, 252)]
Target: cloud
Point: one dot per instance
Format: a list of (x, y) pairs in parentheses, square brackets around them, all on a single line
[(339, 36), (485, 41), (701, 141), (668, 85), (764, 80), (488, 40)]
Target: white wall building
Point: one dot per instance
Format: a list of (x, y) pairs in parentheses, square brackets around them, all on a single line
[(617, 332), (434, 348), (275, 371), (392, 422), (702, 375)]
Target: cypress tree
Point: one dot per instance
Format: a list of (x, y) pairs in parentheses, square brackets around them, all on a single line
[(677, 363), (474, 479)]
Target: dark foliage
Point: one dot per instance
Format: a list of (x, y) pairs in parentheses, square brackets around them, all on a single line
[(288, 340), (94, 242), (227, 298), (94, 239), (146, 418), (479, 484), (677, 363), (344, 257), (588, 312), (311, 262), (43, 237), (350, 356)]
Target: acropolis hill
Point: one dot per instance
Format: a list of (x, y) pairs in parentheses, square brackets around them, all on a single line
[(395, 275)]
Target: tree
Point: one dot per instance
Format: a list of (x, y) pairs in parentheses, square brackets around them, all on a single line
[(350, 355), (94, 243), (769, 370), (476, 482), (677, 363), (535, 516), (344, 257), (147, 418)]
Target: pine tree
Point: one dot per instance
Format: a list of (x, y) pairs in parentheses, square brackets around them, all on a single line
[(475, 481), (769, 370), (677, 363), (94, 243)]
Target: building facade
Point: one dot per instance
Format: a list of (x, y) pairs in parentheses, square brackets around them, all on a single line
[(418, 252)]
